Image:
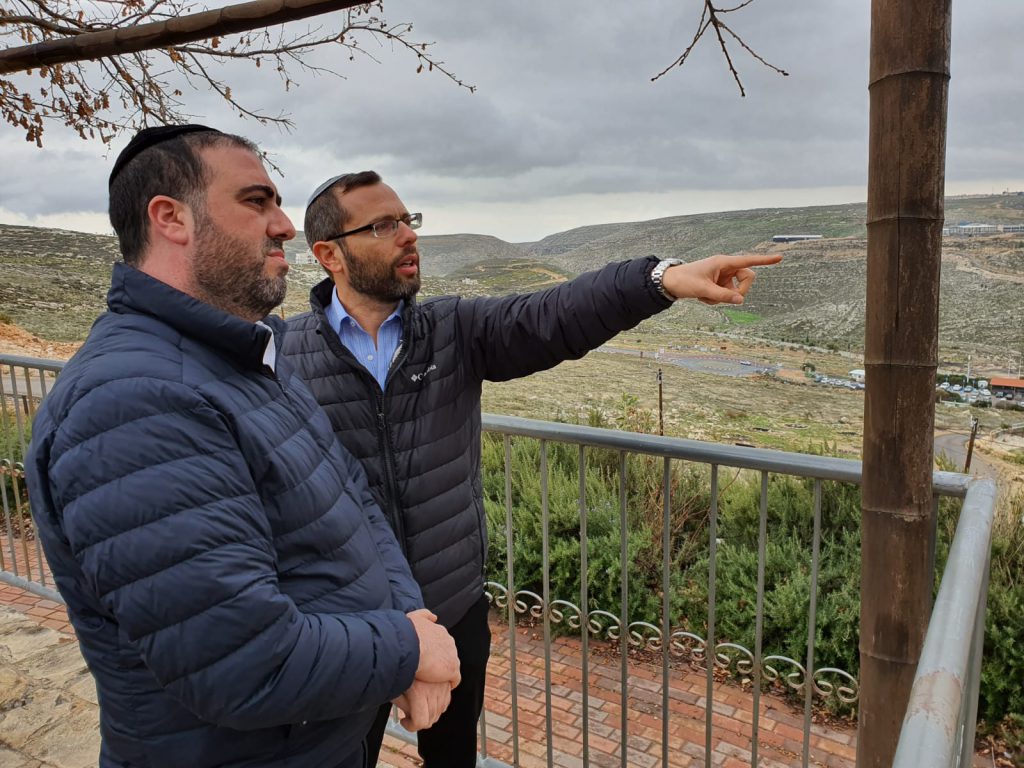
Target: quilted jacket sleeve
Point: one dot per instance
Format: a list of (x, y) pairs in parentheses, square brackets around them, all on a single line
[(515, 336), (404, 589), (172, 539)]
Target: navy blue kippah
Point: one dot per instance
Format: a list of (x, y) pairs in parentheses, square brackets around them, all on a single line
[(149, 137)]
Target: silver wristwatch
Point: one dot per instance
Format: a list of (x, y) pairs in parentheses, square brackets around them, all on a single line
[(658, 276)]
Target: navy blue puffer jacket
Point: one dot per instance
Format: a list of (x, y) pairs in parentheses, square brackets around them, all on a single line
[(237, 594)]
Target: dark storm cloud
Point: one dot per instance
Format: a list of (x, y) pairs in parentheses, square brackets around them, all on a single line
[(565, 106), (67, 175), (564, 94)]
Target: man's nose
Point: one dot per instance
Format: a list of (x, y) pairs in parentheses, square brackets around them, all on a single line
[(406, 234), (281, 227)]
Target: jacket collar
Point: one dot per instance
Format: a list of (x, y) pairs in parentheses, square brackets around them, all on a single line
[(135, 292), (321, 295)]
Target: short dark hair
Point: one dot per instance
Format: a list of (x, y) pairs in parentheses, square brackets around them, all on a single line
[(325, 215), (173, 168)]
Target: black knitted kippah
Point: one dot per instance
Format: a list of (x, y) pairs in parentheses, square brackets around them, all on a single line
[(149, 137)]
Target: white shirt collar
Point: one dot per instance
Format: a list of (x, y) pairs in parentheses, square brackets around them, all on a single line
[(270, 353)]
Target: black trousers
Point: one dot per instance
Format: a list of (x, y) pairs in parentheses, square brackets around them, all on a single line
[(451, 741)]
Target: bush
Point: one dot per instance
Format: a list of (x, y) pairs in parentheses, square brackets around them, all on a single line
[(787, 561), (788, 571), (644, 526), (13, 492), (1002, 695)]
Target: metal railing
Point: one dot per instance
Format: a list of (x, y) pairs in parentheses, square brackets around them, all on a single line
[(942, 715), (558, 699), (24, 382)]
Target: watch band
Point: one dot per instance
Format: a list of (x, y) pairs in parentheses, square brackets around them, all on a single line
[(658, 276)]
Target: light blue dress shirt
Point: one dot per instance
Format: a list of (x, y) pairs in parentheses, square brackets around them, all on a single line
[(376, 359)]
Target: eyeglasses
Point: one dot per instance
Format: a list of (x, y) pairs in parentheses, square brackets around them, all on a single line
[(385, 228)]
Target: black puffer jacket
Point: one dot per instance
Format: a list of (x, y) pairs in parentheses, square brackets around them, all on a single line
[(420, 439)]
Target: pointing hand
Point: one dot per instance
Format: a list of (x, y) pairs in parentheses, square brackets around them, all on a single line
[(717, 279)]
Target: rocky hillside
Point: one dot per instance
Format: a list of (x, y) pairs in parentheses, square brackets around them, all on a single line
[(445, 254), (52, 282), (693, 237)]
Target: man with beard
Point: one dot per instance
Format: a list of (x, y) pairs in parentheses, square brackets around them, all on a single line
[(401, 383), (237, 594)]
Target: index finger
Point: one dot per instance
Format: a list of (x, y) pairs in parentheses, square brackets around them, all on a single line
[(746, 260)]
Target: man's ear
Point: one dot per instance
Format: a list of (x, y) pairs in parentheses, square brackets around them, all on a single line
[(170, 219), (329, 255)]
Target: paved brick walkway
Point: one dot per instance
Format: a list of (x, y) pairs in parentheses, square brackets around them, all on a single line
[(780, 738)]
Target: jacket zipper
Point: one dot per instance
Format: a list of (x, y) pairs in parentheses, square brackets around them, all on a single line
[(393, 513), (387, 450)]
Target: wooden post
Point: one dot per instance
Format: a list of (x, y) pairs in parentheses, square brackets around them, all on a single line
[(907, 136)]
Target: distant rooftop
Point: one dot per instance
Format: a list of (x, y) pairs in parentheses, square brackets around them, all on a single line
[(793, 238)]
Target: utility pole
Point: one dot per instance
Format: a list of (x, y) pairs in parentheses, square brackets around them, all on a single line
[(970, 444), (908, 88), (661, 409)]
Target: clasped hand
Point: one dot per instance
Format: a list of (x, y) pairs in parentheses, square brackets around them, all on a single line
[(437, 674)]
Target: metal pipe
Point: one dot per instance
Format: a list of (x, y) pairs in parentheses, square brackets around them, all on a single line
[(929, 734)]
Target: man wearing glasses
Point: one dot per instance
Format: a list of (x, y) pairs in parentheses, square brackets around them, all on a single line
[(236, 593), (401, 384)]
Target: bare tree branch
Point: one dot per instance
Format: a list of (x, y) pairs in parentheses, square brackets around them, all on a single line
[(117, 38), (710, 17), (142, 47)]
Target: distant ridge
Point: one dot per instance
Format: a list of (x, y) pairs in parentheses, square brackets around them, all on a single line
[(444, 254), (52, 282)]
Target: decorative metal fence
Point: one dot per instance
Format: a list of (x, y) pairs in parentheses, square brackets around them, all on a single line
[(575, 725), (24, 382)]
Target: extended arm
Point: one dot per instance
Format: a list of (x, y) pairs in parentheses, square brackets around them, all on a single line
[(518, 335), (513, 336)]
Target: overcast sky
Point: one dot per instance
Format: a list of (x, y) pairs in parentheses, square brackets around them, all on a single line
[(566, 127)]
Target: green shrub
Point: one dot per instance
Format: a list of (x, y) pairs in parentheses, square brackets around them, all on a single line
[(13, 492), (787, 555), (788, 571), (1001, 705), (644, 526)]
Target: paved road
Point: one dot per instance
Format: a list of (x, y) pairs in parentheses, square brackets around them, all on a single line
[(955, 447), (722, 365)]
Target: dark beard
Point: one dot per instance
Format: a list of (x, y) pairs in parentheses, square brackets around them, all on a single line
[(230, 277), (379, 281)]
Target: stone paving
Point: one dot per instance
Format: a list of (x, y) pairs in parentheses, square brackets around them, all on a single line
[(49, 714), (48, 710)]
